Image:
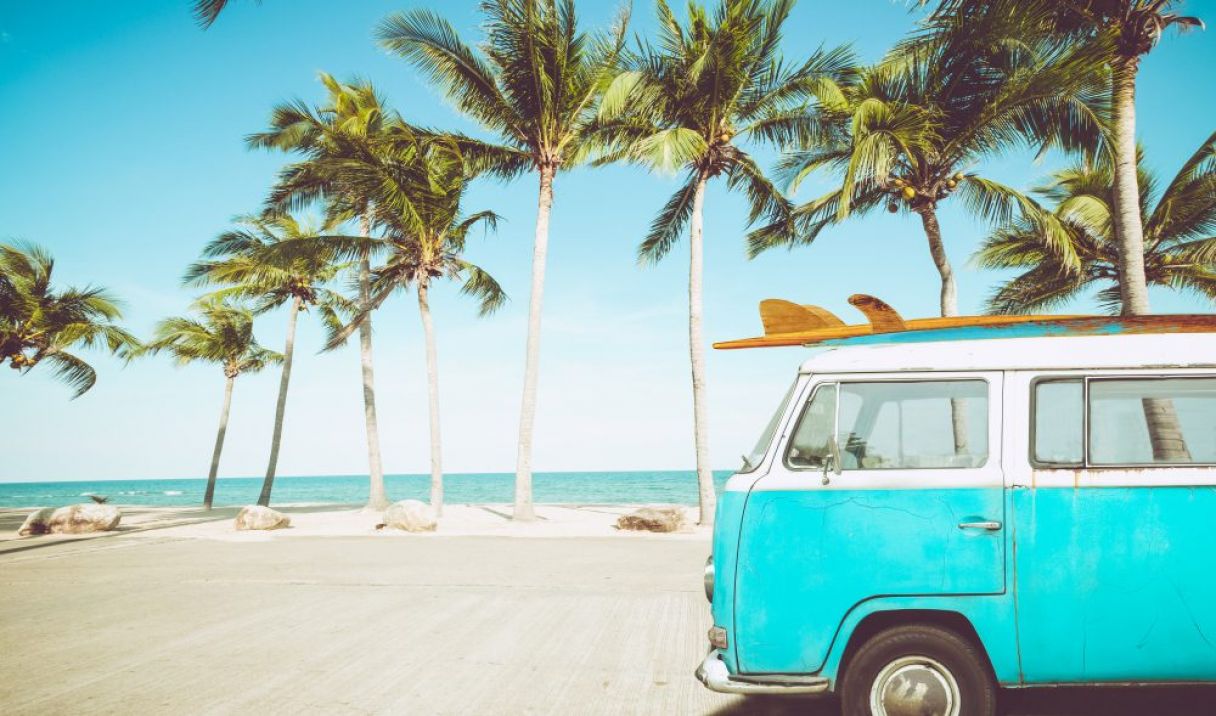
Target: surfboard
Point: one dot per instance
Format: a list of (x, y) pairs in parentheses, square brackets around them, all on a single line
[(791, 324)]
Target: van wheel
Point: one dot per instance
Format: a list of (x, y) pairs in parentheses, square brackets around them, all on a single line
[(918, 670)]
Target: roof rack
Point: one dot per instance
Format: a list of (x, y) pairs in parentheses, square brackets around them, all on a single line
[(792, 324)]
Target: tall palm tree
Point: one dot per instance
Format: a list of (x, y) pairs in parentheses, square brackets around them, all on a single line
[(222, 334), (248, 261), (1123, 31), (690, 102), (414, 189), (343, 130), (39, 324), (1179, 252), (534, 83), (909, 133), (1179, 231)]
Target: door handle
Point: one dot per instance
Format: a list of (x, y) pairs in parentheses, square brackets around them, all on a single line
[(990, 526)]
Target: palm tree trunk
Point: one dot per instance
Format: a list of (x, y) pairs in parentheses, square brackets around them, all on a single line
[(949, 307), (432, 390), (1161, 418), (377, 498), (281, 407), (933, 232), (696, 352), (524, 510), (1133, 287), (209, 493)]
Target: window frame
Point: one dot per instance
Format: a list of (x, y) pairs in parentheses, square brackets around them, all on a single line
[(788, 447), (1086, 379), (838, 382)]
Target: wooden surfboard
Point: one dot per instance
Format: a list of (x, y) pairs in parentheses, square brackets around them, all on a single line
[(791, 324)]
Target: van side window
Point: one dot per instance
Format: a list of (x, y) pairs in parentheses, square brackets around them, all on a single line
[(1131, 422), (895, 426), (1059, 422), (1169, 421), (811, 444), (913, 425)]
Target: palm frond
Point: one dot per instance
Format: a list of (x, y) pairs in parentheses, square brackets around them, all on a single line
[(669, 224)]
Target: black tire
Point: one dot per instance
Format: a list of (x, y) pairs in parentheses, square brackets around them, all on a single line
[(964, 661)]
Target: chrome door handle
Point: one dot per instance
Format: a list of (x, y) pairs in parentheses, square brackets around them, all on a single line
[(990, 526)]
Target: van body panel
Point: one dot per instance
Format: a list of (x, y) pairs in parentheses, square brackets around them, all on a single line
[(725, 555), (807, 558), (1116, 584), (988, 614)]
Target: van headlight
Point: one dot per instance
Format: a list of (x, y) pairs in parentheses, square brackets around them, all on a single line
[(709, 578)]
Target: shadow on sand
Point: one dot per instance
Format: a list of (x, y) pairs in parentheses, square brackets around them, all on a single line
[(1063, 701)]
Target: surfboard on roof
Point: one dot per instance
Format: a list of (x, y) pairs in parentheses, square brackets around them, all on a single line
[(791, 324)]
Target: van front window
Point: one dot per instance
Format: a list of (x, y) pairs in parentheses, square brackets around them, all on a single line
[(752, 460)]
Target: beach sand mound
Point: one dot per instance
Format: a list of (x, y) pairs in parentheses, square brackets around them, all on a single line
[(73, 519), (653, 519), (411, 516), (256, 517)]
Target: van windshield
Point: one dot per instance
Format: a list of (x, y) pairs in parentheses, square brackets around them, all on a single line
[(752, 460)]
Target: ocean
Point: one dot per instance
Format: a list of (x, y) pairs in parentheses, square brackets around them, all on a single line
[(625, 488)]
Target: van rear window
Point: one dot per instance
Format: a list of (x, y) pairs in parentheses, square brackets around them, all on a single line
[(1113, 422)]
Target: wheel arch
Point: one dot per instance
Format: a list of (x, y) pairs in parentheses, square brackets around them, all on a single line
[(880, 620)]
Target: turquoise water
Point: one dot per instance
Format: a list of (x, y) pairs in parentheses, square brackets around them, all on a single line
[(676, 487)]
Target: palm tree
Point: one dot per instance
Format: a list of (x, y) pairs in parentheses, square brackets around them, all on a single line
[(689, 103), (1123, 31), (248, 261), (1179, 231), (534, 83), (222, 334), (908, 134), (41, 324), (342, 131), (414, 189), (1179, 252)]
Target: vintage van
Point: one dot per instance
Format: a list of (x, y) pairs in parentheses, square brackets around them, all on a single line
[(940, 509)]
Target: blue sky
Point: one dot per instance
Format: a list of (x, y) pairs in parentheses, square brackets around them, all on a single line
[(121, 139)]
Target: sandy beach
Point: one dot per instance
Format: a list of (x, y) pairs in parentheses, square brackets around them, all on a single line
[(178, 613)]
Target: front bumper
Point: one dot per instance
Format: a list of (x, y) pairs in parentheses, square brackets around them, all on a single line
[(712, 672)]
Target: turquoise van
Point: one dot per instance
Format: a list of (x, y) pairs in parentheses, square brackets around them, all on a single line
[(925, 521)]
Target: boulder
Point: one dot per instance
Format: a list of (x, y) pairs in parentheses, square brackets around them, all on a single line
[(38, 523), (73, 519), (653, 519), (411, 516), (256, 517)]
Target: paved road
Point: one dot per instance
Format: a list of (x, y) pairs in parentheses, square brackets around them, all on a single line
[(148, 624)]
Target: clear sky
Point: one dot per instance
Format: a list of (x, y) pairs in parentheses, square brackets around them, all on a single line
[(121, 140)]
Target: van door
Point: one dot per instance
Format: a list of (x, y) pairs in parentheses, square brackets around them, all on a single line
[(883, 485), (1112, 519)]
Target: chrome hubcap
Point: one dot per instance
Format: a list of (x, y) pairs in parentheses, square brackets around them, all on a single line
[(914, 686)]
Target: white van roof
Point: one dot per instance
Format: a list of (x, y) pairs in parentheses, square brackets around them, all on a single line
[(1183, 350)]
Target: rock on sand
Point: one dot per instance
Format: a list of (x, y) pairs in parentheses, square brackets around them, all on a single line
[(411, 516), (73, 519), (256, 517), (653, 519)]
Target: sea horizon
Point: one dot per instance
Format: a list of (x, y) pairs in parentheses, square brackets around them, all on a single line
[(625, 487)]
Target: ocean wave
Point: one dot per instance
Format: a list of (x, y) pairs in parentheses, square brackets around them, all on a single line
[(171, 492)]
